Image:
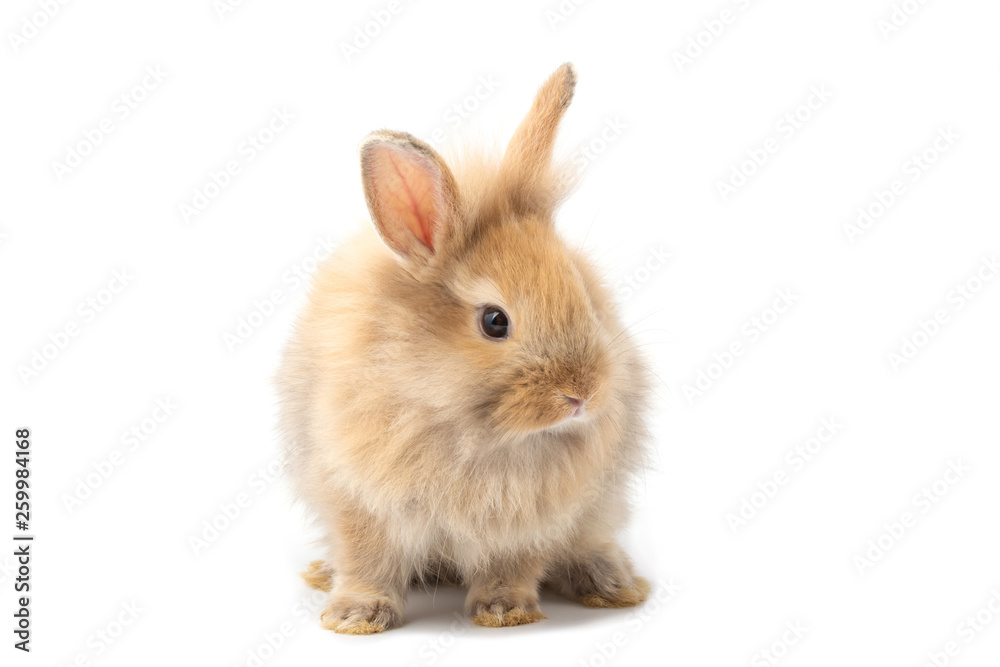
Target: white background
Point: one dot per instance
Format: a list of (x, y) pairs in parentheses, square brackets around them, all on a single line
[(673, 131)]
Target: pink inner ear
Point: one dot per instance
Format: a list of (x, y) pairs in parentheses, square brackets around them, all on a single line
[(407, 192)]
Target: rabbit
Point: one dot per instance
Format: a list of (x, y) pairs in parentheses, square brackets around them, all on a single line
[(459, 400)]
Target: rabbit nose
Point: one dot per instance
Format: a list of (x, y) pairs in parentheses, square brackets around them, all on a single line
[(577, 404)]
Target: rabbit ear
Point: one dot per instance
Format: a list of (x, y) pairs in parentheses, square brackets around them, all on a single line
[(527, 160), (411, 193)]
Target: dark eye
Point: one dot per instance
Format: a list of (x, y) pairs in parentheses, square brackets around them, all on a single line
[(494, 322)]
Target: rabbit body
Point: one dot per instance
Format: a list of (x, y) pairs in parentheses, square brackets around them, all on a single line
[(460, 401)]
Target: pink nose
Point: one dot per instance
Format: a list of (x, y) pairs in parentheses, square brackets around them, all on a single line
[(577, 404)]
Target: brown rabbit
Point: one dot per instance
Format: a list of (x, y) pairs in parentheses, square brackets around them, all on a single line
[(460, 400)]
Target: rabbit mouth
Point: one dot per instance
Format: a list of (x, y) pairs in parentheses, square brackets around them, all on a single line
[(558, 412)]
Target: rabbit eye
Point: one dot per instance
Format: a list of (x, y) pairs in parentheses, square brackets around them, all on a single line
[(494, 322)]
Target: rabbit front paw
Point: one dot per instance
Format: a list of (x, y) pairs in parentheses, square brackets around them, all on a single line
[(503, 609), (354, 616)]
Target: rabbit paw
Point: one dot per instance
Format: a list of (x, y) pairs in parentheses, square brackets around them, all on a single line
[(601, 582), (504, 610), (319, 575), (627, 594), (350, 616)]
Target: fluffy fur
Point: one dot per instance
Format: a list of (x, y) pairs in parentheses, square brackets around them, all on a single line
[(429, 451)]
